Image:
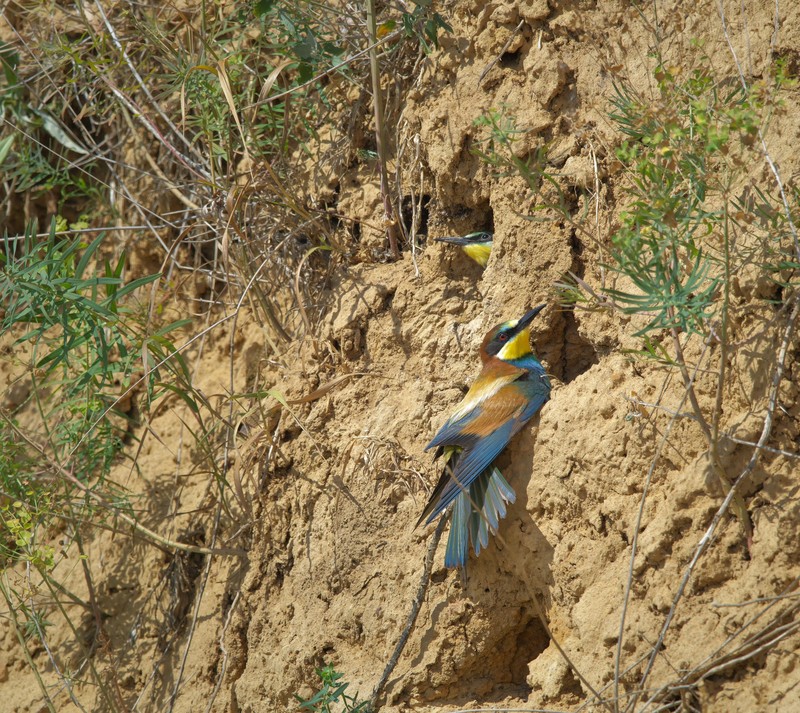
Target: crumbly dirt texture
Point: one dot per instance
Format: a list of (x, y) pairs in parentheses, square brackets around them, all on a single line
[(330, 562)]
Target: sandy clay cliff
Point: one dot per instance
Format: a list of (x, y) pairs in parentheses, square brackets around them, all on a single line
[(330, 561)]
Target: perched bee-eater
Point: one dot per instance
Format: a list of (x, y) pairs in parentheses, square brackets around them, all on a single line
[(510, 389), (476, 245)]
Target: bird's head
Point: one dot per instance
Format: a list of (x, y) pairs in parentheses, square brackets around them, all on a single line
[(478, 245), (510, 340)]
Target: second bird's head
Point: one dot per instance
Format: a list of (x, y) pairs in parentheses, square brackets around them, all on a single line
[(510, 340), (478, 245)]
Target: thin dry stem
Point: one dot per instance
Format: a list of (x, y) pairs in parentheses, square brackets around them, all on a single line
[(198, 598), (762, 141), (416, 604), (739, 506), (708, 537), (390, 221), (635, 542), (224, 664)]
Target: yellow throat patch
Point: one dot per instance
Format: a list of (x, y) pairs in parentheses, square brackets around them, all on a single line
[(517, 348), (479, 253)]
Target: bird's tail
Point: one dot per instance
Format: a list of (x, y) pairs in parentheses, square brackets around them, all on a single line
[(475, 513)]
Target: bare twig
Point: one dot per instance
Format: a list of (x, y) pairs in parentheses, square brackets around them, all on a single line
[(543, 621), (198, 599), (739, 506), (18, 629), (298, 293), (780, 627), (390, 222), (764, 150), (224, 665), (416, 604), (710, 533), (145, 89), (768, 449), (637, 530), (36, 619), (500, 54)]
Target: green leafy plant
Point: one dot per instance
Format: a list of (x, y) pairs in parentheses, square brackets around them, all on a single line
[(185, 127), (424, 24), (25, 504), (35, 144), (82, 336), (702, 250), (332, 695), (85, 342), (682, 157), (307, 32), (497, 149), (705, 255)]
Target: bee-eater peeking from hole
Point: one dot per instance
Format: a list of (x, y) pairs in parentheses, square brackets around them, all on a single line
[(478, 245), (510, 389)]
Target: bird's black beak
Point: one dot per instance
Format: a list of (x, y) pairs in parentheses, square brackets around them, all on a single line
[(453, 240), (471, 239), (527, 318)]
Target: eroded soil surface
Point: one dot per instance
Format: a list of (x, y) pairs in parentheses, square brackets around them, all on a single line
[(331, 557)]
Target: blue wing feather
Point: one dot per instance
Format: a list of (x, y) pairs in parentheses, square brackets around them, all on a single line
[(538, 400), (471, 463), (475, 515), (458, 540), (478, 452), (476, 490), (498, 492), (451, 432)]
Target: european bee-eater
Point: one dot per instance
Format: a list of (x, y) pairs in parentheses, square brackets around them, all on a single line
[(510, 389), (478, 245)]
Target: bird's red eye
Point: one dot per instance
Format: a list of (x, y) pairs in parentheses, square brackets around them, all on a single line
[(502, 337)]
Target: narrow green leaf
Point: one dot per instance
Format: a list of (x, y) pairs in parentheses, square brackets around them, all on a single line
[(52, 127), (88, 253), (5, 147), (182, 393), (135, 285)]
